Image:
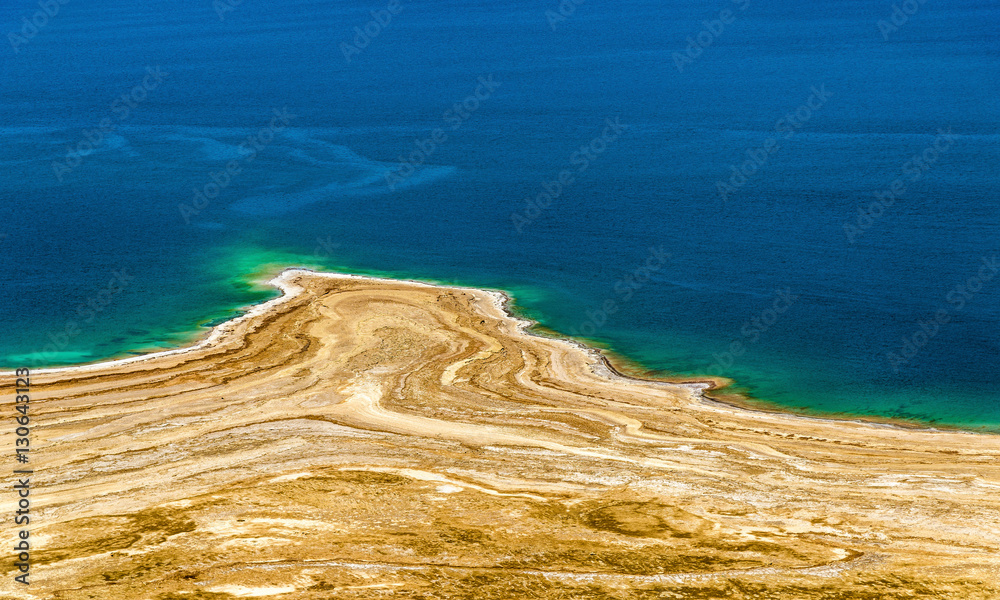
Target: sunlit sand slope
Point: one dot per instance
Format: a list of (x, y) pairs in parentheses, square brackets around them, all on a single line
[(370, 439)]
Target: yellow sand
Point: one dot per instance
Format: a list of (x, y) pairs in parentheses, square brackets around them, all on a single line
[(364, 438)]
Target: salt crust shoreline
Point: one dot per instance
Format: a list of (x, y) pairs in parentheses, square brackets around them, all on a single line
[(358, 432), (501, 301)]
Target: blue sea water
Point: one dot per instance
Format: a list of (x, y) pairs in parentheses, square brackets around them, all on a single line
[(847, 267)]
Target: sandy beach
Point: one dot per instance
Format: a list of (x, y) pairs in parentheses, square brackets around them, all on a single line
[(370, 438)]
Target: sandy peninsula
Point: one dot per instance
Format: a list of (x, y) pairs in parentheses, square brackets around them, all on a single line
[(363, 438)]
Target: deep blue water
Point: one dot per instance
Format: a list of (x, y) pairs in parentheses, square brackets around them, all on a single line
[(832, 110)]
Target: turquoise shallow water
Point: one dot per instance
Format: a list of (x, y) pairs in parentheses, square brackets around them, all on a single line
[(650, 245)]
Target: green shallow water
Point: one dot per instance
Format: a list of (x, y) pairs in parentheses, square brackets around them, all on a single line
[(237, 276), (244, 271)]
